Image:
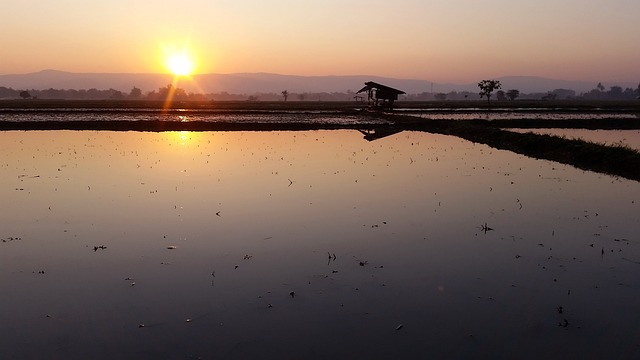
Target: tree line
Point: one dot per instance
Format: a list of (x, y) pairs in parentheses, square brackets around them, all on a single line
[(598, 93)]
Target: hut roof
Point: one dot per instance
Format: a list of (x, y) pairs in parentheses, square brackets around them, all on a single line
[(374, 85)]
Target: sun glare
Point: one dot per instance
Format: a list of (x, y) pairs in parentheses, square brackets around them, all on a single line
[(180, 64)]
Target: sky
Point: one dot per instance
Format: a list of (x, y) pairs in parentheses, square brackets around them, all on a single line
[(454, 41)]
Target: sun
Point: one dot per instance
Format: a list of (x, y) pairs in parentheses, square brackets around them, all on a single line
[(180, 64)]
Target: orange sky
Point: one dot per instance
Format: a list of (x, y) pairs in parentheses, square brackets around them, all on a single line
[(442, 41)]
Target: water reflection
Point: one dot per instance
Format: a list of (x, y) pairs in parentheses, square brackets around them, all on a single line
[(207, 235), (630, 138)]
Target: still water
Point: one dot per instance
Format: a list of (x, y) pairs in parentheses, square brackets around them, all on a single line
[(629, 138), (309, 245)]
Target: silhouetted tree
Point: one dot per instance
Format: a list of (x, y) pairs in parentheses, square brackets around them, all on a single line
[(116, 94), (301, 96), (285, 95), (615, 91), (513, 94), (487, 87), (440, 96), (135, 93), (25, 94), (600, 86), (501, 96)]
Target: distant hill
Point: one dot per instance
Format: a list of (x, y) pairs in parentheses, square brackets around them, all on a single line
[(251, 83)]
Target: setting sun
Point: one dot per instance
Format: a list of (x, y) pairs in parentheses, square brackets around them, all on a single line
[(180, 64)]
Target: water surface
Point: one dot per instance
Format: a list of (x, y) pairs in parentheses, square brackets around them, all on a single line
[(630, 138), (309, 245)]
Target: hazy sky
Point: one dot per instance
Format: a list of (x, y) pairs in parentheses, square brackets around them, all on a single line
[(438, 40)]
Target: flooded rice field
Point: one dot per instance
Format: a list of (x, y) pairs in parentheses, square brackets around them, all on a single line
[(181, 115), (629, 138), (514, 114), (309, 244)]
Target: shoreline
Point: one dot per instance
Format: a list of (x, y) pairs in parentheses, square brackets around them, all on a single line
[(612, 160)]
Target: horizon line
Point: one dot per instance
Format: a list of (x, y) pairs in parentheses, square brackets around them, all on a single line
[(319, 76)]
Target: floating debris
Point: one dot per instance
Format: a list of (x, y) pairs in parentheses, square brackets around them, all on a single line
[(564, 323), (399, 327), (485, 228), (101, 247), (172, 247), (293, 294)]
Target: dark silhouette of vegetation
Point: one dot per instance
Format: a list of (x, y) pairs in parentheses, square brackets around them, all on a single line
[(487, 87), (440, 96), (285, 94), (513, 94), (25, 94), (614, 93), (135, 94), (550, 96)]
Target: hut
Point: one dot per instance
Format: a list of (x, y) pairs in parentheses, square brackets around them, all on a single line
[(380, 95)]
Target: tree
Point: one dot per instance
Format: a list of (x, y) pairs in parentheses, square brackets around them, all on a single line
[(501, 95), (440, 96), (600, 86), (513, 94), (615, 91), (487, 87), (25, 94), (550, 96), (116, 94), (285, 95), (135, 93)]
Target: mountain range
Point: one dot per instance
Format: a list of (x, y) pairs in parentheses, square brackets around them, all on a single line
[(251, 83)]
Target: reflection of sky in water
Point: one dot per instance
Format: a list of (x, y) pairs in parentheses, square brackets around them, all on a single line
[(630, 138), (409, 207)]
